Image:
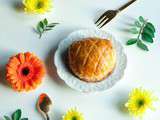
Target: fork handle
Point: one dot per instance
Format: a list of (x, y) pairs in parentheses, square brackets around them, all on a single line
[(126, 5)]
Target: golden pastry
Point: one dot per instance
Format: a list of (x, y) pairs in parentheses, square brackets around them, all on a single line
[(92, 59)]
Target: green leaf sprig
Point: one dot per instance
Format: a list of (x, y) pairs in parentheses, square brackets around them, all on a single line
[(15, 116), (145, 33), (44, 26)]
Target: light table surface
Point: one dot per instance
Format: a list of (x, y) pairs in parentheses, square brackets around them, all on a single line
[(17, 35)]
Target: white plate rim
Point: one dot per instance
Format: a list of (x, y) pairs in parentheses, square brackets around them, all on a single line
[(76, 83)]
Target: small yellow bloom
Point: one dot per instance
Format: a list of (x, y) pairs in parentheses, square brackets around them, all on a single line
[(73, 114), (139, 101), (37, 6)]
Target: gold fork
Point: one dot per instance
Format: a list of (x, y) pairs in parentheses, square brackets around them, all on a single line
[(110, 14)]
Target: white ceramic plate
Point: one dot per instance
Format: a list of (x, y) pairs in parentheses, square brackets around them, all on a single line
[(74, 82)]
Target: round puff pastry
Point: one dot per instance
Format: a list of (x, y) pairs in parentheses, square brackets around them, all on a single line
[(92, 59)]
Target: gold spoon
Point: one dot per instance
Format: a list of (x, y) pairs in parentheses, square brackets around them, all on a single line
[(43, 105)]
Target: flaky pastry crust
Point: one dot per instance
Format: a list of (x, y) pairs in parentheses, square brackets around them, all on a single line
[(92, 59)]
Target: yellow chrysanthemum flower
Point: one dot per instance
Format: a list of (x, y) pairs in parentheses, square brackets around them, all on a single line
[(139, 101), (73, 114), (37, 6)]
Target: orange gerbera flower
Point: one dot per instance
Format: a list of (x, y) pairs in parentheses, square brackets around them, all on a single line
[(24, 71)]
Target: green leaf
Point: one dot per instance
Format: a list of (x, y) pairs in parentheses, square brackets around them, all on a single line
[(131, 41), (51, 26), (45, 21), (142, 45), (134, 31), (147, 38), (17, 115), (39, 29), (138, 24), (53, 23), (47, 29), (41, 24), (24, 119), (151, 26), (141, 19), (7, 118), (148, 31)]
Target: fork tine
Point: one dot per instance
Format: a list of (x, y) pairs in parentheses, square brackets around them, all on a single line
[(102, 16), (102, 20), (108, 20)]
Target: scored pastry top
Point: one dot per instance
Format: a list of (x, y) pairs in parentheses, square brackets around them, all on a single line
[(92, 59)]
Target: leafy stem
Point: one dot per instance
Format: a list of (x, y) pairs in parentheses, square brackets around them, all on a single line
[(44, 26), (141, 29), (145, 33), (15, 116)]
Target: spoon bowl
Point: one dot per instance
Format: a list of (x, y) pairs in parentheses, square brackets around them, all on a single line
[(43, 105)]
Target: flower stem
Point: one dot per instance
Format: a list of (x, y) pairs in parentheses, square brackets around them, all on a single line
[(141, 29)]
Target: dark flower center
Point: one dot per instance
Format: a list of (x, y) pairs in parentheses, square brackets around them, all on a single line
[(25, 71), (140, 103), (40, 5), (74, 118)]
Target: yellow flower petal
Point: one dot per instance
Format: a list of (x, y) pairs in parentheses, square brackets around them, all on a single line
[(139, 101), (37, 6), (73, 114)]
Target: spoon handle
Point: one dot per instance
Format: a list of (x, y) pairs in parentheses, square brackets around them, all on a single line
[(126, 5), (47, 117)]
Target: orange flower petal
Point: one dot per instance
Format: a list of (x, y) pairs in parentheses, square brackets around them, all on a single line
[(28, 56), (11, 71), (25, 71), (21, 57), (14, 60)]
